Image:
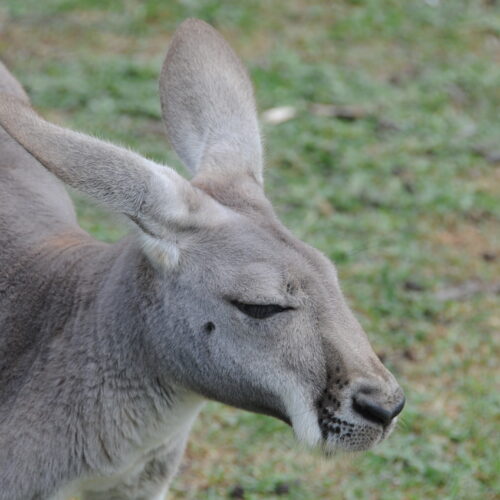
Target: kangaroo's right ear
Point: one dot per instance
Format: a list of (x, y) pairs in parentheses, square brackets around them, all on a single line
[(208, 105), (153, 196)]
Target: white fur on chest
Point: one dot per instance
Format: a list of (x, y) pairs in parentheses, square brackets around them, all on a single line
[(166, 434)]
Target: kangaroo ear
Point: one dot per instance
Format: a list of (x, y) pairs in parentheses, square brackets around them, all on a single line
[(154, 197), (9, 85), (208, 105)]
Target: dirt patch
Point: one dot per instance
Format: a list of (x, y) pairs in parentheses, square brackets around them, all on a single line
[(466, 238)]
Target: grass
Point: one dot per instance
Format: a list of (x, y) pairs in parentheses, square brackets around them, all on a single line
[(404, 199)]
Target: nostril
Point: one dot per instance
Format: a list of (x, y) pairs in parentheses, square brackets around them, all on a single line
[(372, 410), (399, 408)]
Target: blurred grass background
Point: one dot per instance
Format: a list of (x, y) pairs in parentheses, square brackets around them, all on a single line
[(401, 189)]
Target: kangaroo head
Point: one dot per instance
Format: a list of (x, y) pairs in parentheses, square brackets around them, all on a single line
[(268, 330), (265, 326)]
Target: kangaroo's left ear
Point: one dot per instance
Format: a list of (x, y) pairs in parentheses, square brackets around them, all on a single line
[(157, 199), (208, 105)]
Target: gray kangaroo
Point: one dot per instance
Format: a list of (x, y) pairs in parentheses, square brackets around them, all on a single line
[(108, 351)]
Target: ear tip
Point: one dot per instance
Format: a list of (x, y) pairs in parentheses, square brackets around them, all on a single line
[(195, 30), (187, 36), (10, 85)]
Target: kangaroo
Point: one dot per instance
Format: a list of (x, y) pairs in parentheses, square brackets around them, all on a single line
[(108, 351)]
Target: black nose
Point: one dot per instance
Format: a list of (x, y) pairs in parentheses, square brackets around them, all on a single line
[(367, 403)]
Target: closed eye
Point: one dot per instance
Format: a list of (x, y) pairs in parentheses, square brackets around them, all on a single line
[(259, 311)]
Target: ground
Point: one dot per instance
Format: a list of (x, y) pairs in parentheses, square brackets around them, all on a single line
[(395, 176)]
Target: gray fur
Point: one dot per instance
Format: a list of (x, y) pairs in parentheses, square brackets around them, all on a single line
[(107, 352), (208, 105)]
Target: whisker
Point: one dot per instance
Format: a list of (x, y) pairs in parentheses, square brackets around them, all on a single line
[(402, 423)]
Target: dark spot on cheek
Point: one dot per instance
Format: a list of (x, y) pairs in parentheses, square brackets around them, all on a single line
[(209, 327)]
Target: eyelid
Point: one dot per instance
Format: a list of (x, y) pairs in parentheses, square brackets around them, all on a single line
[(260, 311)]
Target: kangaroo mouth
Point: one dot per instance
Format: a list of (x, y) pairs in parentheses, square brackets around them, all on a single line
[(344, 431), (337, 430)]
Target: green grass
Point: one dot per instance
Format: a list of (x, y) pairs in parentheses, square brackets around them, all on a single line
[(405, 195)]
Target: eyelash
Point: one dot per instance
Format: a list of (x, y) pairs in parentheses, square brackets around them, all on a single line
[(260, 311)]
